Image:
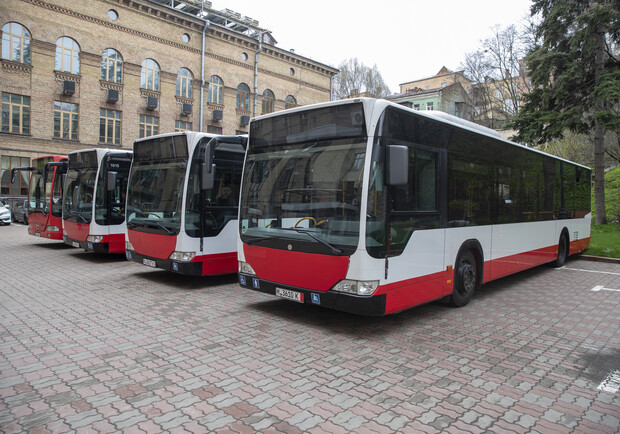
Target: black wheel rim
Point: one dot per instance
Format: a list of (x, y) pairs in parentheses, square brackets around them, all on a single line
[(468, 278)]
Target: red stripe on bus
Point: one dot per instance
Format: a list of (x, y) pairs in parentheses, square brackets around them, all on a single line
[(153, 245), (304, 270), (116, 243), (217, 264)]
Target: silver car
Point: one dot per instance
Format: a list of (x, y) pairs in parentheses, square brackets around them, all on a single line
[(5, 214)]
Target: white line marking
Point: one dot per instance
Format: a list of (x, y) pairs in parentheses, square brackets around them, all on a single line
[(600, 287), (588, 271), (611, 383)]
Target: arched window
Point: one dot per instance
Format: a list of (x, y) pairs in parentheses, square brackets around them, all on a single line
[(184, 83), (67, 55), (290, 102), (268, 101), (149, 76), (216, 90), (243, 96), (111, 66), (16, 43)]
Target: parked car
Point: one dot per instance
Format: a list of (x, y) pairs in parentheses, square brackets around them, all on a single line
[(5, 214), (20, 211)]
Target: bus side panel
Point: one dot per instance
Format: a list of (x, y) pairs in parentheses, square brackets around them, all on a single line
[(38, 226), (578, 232), (413, 292), (219, 263), (456, 237), (116, 243)]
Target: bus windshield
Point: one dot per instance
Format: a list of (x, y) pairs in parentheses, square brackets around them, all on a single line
[(156, 185), (309, 192), (38, 196), (78, 198)]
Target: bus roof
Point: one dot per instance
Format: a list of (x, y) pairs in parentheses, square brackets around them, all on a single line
[(370, 104)]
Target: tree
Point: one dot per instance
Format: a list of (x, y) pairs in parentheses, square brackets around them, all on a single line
[(496, 73), (575, 72), (355, 78)]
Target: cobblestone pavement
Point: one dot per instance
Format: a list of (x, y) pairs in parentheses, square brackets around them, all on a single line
[(92, 343)]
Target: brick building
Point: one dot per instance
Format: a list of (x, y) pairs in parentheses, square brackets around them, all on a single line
[(101, 73)]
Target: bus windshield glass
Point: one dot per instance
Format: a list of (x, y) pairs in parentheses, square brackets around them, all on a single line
[(303, 181), (36, 192), (80, 187), (155, 193)]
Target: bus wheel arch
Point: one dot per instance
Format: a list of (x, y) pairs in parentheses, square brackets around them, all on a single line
[(468, 272), (563, 248)]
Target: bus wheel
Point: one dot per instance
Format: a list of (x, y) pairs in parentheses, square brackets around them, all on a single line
[(465, 279), (562, 251)]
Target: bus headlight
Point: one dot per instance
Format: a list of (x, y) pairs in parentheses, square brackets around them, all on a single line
[(357, 287), (182, 256), (128, 246), (94, 238), (246, 268), (53, 229)]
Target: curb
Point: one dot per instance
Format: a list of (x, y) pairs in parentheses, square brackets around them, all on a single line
[(599, 259)]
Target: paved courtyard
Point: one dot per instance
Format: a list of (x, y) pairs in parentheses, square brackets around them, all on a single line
[(93, 343)]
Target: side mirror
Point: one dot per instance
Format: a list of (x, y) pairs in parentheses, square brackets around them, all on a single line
[(208, 176), (112, 180), (397, 165)]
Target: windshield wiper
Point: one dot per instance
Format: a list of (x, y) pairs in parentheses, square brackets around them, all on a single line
[(333, 249)]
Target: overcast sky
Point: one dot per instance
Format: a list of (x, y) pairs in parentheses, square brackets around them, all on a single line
[(406, 39)]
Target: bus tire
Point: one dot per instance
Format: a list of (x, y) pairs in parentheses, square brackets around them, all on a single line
[(563, 248), (466, 279)]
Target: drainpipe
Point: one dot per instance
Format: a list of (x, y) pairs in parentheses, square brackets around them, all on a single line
[(331, 86), (260, 47), (202, 73)]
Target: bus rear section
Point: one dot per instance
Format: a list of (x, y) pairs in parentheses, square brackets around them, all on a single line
[(182, 202), (94, 200), (369, 207), (45, 196)]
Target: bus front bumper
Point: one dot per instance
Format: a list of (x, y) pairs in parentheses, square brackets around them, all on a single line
[(87, 246), (186, 268), (360, 305)]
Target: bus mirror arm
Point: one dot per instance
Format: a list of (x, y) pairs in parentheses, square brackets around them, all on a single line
[(397, 165), (112, 180), (15, 169)]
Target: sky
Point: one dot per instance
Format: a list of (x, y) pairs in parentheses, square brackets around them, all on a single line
[(406, 39)]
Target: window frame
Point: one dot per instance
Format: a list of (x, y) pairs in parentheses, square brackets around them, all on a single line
[(268, 101), (65, 52), (144, 125), (106, 121), (113, 64), (66, 112), (216, 90), (243, 95), (184, 83), (23, 40), (23, 113), (150, 69)]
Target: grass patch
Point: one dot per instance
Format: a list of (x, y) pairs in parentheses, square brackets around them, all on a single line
[(605, 241)]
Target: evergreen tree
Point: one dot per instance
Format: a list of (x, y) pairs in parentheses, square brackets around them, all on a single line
[(575, 73)]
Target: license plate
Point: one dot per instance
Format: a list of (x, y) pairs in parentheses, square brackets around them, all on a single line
[(290, 295), (37, 234), (149, 263), (74, 244)]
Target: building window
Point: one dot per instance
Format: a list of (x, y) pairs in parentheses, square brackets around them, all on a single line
[(216, 90), (182, 126), (110, 126), (67, 55), (290, 102), (149, 126), (15, 113), (65, 120), (20, 186), (243, 97), (268, 101), (444, 84), (184, 83), (185, 37), (240, 132), (111, 66), (149, 76), (16, 43), (213, 129), (113, 15), (416, 106), (429, 106)]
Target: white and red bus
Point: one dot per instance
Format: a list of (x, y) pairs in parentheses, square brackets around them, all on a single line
[(182, 202), (94, 200), (370, 207), (45, 195)]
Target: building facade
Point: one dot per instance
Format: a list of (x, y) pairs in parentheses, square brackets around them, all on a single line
[(446, 91), (101, 73)]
